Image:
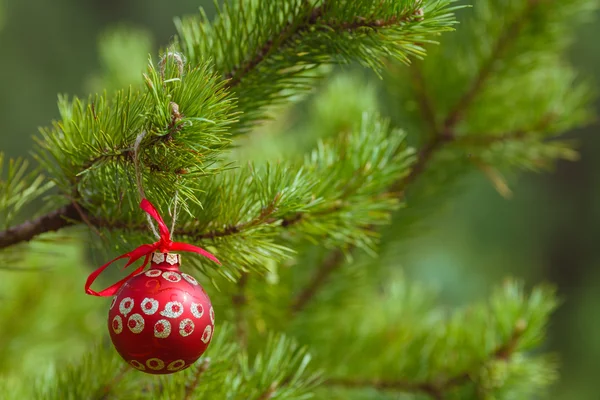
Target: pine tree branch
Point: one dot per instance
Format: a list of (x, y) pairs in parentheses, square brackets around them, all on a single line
[(424, 101), (287, 37), (336, 257), (401, 386), (436, 388), (126, 153), (424, 157), (263, 219), (332, 263), (68, 215), (486, 139), (283, 39), (272, 389), (53, 221), (107, 390), (506, 39), (201, 369)]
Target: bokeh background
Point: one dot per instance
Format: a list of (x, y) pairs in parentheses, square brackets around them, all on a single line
[(547, 231)]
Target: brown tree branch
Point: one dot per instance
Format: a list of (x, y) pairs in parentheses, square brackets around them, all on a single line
[(73, 214), (53, 221), (333, 262)]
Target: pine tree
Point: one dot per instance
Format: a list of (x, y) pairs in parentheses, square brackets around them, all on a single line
[(305, 179)]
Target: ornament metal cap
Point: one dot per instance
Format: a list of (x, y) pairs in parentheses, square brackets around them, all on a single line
[(172, 259)]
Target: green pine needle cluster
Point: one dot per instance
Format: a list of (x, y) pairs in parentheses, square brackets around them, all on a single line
[(272, 51), (19, 186)]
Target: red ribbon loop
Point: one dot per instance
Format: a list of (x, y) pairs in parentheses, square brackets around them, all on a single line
[(164, 245)]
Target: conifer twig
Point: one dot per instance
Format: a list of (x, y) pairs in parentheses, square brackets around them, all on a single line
[(506, 38), (292, 30), (268, 394), (436, 388), (106, 390), (284, 38), (423, 99), (334, 260), (201, 369)]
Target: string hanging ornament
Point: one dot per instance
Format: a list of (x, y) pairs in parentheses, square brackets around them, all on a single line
[(160, 320)]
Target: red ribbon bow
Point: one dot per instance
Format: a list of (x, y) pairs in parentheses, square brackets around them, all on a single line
[(164, 245)]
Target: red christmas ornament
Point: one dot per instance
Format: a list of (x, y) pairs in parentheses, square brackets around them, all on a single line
[(160, 321)]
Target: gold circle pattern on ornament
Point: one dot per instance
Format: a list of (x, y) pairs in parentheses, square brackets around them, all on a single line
[(197, 310), (162, 328), (206, 334), (155, 364), (212, 315), (190, 279), (176, 365), (153, 273), (137, 365), (173, 309), (186, 327), (117, 324), (171, 276), (126, 306), (149, 306), (135, 323)]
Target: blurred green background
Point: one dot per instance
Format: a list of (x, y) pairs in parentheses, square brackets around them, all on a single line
[(546, 232)]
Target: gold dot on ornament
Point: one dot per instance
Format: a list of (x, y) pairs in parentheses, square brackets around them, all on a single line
[(171, 276), (197, 310), (149, 306), (162, 329), (176, 365), (153, 273), (137, 365), (186, 327), (190, 279), (207, 334), (136, 323), (117, 324), (173, 309), (155, 364), (126, 306)]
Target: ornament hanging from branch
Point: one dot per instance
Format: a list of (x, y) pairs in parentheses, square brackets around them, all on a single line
[(161, 320)]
